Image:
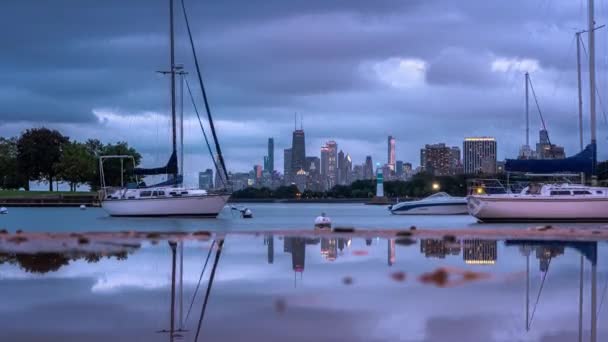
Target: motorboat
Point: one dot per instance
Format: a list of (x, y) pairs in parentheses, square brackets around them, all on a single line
[(322, 222), (440, 203), (542, 202)]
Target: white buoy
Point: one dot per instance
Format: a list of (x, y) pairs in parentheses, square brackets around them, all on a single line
[(3, 211), (83, 207), (247, 213), (322, 221)]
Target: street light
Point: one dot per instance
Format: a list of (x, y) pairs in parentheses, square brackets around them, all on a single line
[(435, 186)]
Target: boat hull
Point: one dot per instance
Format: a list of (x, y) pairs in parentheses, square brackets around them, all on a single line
[(200, 206), (454, 208), (497, 209)]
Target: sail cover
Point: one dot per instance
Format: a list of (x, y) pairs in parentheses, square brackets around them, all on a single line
[(169, 169), (581, 162)]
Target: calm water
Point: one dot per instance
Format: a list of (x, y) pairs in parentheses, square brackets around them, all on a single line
[(266, 216), (277, 288)]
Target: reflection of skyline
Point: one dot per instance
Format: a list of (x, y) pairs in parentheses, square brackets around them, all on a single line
[(479, 252), (331, 246), (436, 248), (296, 246), (269, 241), (544, 254)]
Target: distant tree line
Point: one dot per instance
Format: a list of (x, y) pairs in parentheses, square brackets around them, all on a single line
[(42, 154), (420, 185)]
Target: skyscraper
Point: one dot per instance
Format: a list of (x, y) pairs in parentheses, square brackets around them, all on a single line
[(436, 159), (546, 150), (391, 153), (269, 159), (298, 151), (479, 155), (368, 169), (399, 169), (341, 179), (313, 168), (287, 165), (324, 162), (205, 180), (329, 164)]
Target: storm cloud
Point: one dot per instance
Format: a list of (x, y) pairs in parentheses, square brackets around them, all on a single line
[(423, 71)]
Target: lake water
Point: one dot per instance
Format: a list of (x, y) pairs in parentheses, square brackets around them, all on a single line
[(288, 288)]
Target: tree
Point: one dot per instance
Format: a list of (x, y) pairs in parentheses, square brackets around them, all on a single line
[(10, 178), (111, 167), (290, 191), (76, 165), (38, 152)]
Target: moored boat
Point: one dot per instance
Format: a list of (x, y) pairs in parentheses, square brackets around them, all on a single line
[(437, 204), (544, 203)]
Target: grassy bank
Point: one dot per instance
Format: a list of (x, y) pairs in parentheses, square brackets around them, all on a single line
[(34, 194)]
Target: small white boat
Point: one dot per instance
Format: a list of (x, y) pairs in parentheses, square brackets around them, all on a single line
[(3, 211), (322, 222), (543, 202), (436, 204)]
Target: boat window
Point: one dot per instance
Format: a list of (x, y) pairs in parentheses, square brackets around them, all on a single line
[(145, 194), (184, 192), (599, 192), (154, 193), (581, 192), (161, 193), (559, 192)]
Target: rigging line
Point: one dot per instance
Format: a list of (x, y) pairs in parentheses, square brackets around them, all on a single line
[(542, 283), (200, 81), (542, 120), (199, 281), (217, 258), (597, 92), (200, 122)]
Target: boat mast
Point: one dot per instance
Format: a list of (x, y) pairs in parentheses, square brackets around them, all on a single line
[(580, 90), (527, 112), (172, 72), (591, 37)]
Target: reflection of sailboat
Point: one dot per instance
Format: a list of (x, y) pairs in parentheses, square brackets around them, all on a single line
[(166, 199), (588, 250)]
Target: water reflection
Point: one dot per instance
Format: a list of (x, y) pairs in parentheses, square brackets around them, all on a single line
[(251, 300)]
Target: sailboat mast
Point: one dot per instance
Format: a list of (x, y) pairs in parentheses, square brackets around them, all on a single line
[(580, 90), (527, 112), (172, 72), (591, 36)]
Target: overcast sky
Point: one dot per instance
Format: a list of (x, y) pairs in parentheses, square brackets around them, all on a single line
[(424, 71)]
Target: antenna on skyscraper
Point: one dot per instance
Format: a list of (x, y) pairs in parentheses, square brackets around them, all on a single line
[(295, 121), (301, 119)]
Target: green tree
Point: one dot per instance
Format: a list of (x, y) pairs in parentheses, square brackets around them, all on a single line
[(77, 164), (10, 178), (111, 167), (38, 152)]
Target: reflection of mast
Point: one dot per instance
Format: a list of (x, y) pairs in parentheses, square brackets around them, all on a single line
[(172, 244), (580, 300), (181, 285), (527, 291), (220, 245)]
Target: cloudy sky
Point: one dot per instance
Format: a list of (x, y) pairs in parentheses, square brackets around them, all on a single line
[(424, 71)]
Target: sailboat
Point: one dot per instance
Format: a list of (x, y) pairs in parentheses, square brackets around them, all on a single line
[(167, 198), (552, 202)]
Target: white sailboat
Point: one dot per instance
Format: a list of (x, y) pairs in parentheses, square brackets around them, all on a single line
[(553, 202), (166, 199)]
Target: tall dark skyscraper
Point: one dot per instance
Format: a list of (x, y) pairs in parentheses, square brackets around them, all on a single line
[(368, 170), (298, 151), (287, 165), (399, 169), (341, 179), (269, 160)]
